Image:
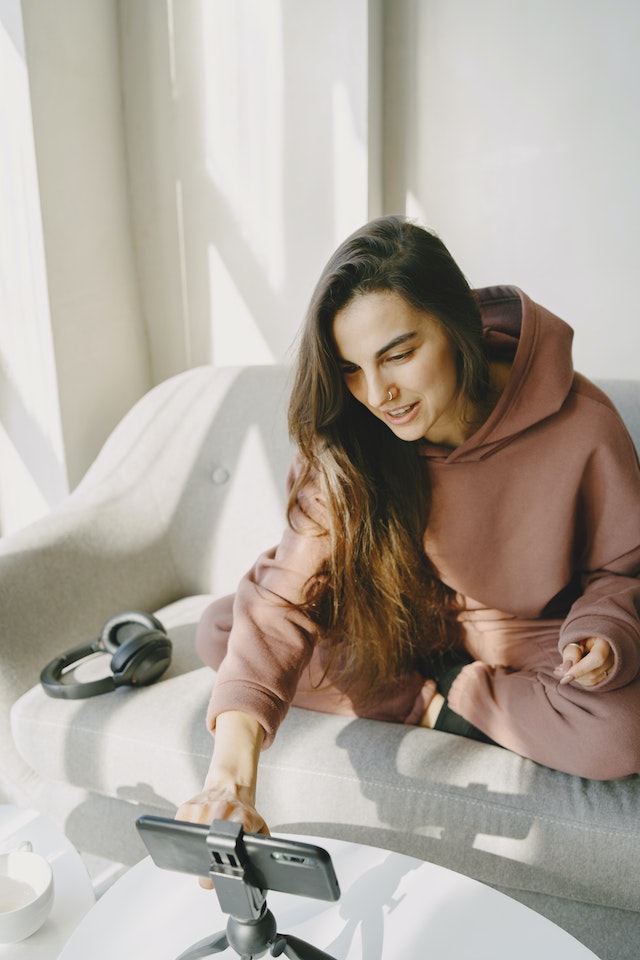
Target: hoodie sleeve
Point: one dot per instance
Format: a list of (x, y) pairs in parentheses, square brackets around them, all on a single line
[(609, 606), (271, 640)]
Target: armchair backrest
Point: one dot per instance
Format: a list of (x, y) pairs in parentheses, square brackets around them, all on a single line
[(195, 472)]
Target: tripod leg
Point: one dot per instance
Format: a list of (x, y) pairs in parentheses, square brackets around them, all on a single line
[(204, 948), (296, 949)]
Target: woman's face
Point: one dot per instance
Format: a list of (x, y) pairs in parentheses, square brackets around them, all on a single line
[(386, 345)]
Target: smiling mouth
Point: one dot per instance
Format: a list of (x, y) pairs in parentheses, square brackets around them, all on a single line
[(400, 412)]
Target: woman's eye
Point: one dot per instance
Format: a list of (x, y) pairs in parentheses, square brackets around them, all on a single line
[(398, 357), (348, 368)]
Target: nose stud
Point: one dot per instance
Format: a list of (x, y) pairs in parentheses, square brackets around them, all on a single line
[(390, 395)]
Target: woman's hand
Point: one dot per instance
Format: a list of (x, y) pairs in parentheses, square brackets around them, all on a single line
[(229, 790), (588, 662), (222, 802)]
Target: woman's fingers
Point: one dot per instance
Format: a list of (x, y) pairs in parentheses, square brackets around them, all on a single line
[(587, 663)]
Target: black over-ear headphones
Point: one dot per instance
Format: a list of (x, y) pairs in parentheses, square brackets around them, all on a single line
[(141, 653)]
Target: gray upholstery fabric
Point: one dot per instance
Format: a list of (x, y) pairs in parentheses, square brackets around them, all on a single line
[(163, 521)]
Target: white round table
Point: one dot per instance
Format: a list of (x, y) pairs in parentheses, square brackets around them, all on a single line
[(392, 906), (73, 893)]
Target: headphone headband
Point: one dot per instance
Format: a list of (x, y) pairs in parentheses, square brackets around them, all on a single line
[(55, 686)]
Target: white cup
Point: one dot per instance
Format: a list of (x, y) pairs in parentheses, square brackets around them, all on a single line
[(26, 893)]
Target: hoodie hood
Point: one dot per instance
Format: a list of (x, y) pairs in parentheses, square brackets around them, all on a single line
[(538, 344)]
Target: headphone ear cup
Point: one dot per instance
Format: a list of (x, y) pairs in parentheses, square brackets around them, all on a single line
[(140, 646), (142, 659), (126, 626)]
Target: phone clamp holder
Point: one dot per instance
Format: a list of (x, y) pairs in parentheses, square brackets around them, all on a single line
[(251, 929)]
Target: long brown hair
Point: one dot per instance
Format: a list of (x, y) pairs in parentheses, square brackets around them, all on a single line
[(379, 606)]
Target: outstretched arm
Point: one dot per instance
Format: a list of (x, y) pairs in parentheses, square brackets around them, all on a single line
[(229, 790)]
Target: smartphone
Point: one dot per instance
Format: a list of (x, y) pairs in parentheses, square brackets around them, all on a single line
[(287, 866)]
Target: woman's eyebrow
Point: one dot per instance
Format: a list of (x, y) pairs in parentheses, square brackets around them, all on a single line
[(396, 342)]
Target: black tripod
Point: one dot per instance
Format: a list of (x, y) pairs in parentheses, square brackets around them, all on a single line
[(251, 929)]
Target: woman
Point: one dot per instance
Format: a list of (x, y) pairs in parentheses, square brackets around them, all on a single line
[(463, 546)]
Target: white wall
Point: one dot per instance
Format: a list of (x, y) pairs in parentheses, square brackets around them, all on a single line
[(248, 136), (521, 146), (99, 337)]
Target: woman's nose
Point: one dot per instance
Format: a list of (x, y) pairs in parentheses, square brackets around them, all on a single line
[(377, 391)]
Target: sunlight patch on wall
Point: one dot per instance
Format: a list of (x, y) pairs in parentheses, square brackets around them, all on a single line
[(243, 114), (350, 165), (415, 209), (235, 335)]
